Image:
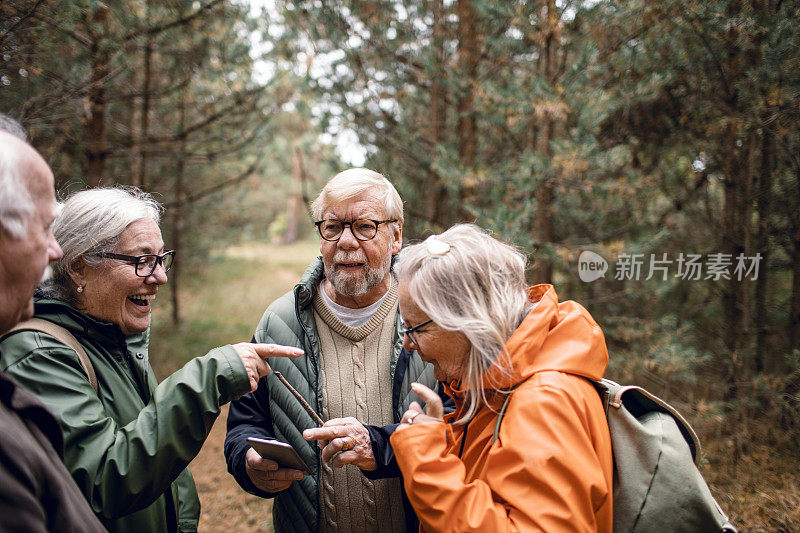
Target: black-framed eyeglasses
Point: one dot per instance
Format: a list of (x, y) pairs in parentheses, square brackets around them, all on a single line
[(363, 229), (410, 331), (145, 264)]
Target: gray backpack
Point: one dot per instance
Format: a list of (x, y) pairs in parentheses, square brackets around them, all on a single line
[(657, 486)]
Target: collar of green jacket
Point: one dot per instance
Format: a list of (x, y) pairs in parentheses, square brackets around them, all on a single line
[(307, 286), (83, 325), (79, 324)]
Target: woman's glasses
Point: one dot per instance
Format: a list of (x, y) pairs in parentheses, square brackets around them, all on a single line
[(145, 264), (410, 331)]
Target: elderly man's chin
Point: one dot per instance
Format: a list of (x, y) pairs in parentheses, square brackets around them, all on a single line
[(355, 284), (349, 284)]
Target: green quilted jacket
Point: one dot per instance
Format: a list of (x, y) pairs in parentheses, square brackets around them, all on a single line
[(128, 445), (271, 411)]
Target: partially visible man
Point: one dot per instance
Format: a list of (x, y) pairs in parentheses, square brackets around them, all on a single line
[(343, 313), (37, 492)]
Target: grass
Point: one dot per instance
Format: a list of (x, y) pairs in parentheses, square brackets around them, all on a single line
[(754, 481)]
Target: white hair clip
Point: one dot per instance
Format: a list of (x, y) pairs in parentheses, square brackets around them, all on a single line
[(436, 246)]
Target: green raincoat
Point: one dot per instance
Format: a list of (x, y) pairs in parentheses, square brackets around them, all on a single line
[(128, 445)]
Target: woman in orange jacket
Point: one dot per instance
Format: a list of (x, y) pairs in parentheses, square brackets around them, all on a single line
[(467, 311)]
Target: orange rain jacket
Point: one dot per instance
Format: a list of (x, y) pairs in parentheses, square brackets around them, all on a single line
[(551, 467)]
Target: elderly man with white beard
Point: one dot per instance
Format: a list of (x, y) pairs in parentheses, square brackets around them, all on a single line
[(355, 373)]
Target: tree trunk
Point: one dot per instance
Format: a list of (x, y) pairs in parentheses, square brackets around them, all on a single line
[(547, 127), (764, 202), (147, 77), (178, 211), (437, 200), (794, 309), (736, 213), (95, 118), (734, 229), (468, 63), (294, 211), (545, 233), (136, 138)]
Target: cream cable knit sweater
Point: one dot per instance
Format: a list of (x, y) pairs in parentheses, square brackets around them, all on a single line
[(357, 382)]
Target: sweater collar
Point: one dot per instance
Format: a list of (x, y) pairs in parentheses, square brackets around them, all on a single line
[(359, 333)]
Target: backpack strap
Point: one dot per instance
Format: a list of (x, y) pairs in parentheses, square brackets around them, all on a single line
[(63, 336), (603, 389), (503, 412)]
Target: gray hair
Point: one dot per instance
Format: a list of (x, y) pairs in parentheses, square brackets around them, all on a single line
[(16, 204), (354, 182), (90, 222), (9, 125), (469, 282)]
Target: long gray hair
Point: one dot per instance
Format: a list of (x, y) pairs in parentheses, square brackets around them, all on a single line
[(91, 222), (469, 282)]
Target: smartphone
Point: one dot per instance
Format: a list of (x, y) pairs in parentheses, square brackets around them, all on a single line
[(280, 452)]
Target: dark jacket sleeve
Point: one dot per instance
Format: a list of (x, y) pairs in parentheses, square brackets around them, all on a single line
[(249, 416), (382, 450)]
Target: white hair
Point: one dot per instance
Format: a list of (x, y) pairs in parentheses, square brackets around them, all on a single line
[(90, 222), (474, 284), (16, 204), (355, 182), (9, 125)]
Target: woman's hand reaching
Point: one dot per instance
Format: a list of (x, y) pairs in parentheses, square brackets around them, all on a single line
[(253, 355)]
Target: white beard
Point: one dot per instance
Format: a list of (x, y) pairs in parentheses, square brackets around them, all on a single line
[(355, 284)]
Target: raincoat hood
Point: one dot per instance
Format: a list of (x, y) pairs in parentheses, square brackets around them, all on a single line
[(539, 343)]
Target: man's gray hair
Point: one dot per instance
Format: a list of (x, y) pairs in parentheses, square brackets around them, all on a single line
[(469, 282), (16, 204), (9, 125), (91, 222), (355, 182)]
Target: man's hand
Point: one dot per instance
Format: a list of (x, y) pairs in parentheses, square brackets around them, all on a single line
[(344, 441), (253, 358), (267, 475)]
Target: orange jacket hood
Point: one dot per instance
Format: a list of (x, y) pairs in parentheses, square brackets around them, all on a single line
[(539, 342)]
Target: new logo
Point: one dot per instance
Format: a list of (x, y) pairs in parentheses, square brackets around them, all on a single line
[(591, 266)]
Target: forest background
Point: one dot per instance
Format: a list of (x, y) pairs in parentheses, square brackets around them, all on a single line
[(662, 137)]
